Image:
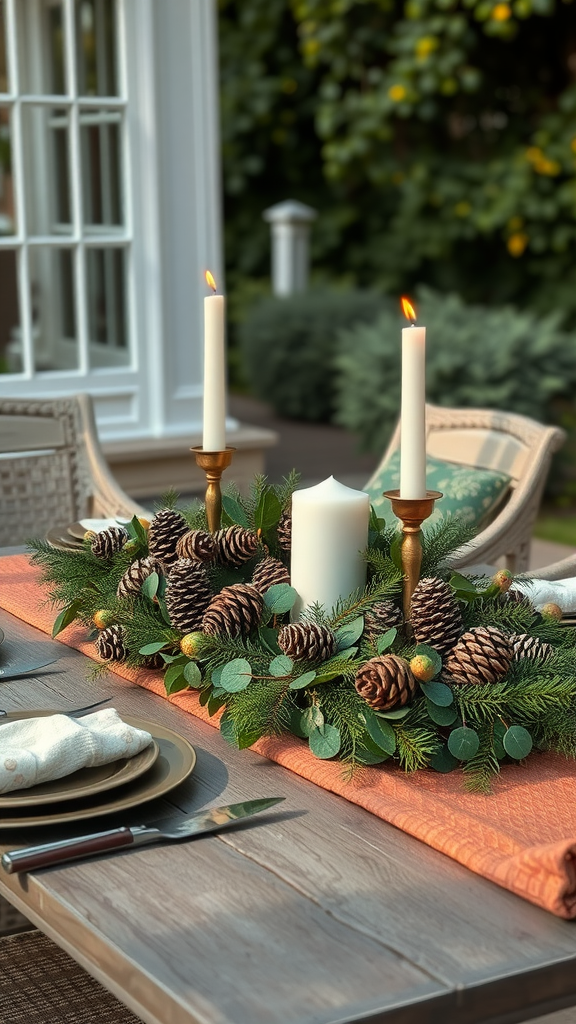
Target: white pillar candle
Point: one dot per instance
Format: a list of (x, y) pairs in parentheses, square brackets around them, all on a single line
[(214, 425), (329, 534), (413, 414)]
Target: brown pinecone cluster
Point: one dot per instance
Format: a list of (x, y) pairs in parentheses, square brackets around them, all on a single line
[(386, 682), (306, 641), (108, 542), (234, 611)]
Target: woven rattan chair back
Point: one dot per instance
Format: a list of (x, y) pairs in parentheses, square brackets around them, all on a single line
[(52, 471), (491, 439)]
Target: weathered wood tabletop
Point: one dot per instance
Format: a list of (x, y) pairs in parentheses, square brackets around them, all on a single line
[(318, 912)]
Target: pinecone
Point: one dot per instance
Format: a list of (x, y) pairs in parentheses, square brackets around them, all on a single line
[(154, 661), (268, 573), (107, 542), (235, 545), (234, 611), (197, 545), (188, 594), (435, 616), (386, 682), (482, 655), (306, 641), (135, 574), (517, 597), (526, 646), (165, 531), (284, 530), (110, 644), (381, 617)]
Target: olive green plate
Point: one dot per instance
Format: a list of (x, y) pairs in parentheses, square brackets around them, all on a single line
[(175, 762)]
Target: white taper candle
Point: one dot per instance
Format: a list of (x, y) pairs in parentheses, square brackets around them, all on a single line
[(214, 421)]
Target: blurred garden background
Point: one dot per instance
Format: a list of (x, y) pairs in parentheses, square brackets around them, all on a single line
[(436, 139)]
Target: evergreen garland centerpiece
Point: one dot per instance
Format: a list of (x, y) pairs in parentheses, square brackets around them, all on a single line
[(482, 679)]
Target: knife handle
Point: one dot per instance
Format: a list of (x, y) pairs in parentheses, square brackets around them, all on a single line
[(47, 854)]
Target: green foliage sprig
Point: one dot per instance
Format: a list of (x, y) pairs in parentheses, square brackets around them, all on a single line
[(259, 691)]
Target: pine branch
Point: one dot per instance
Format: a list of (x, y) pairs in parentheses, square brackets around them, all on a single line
[(440, 542), (480, 770)]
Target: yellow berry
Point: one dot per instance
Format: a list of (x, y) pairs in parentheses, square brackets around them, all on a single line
[(190, 644), (552, 610), (503, 579), (144, 522), (102, 618), (422, 667)]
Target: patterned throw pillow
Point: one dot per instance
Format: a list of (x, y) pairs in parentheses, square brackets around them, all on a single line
[(473, 493)]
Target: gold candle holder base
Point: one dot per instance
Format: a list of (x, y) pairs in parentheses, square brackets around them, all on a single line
[(412, 512), (213, 464)]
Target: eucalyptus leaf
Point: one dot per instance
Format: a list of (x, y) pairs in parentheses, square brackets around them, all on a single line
[(236, 675), (325, 742), (381, 732), (280, 598), (192, 675), (443, 761), (304, 680), (281, 665), (463, 743), (247, 738), (395, 715), (150, 586), (152, 648), (462, 583), (386, 640), (234, 511), (296, 726), (365, 756), (66, 616), (333, 669), (517, 742), (216, 675), (228, 729), (376, 524), (438, 693), (440, 714), (269, 638), (177, 682), (215, 702), (348, 634), (312, 718), (268, 510)]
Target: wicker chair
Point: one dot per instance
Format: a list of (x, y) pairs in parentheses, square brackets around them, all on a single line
[(490, 439), (52, 471)]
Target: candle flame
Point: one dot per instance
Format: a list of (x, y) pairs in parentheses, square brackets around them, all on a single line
[(210, 281), (408, 309)]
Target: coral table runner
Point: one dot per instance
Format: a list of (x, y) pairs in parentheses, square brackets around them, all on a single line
[(523, 837)]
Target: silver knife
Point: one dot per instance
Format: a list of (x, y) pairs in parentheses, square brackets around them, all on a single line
[(215, 818), (24, 670)]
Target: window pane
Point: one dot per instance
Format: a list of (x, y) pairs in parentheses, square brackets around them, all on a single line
[(107, 307), (41, 53), (53, 314), (7, 207), (45, 133), (3, 64), (96, 51), (101, 173), (10, 335)]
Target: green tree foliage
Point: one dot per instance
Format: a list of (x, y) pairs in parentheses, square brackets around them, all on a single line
[(436, 137)]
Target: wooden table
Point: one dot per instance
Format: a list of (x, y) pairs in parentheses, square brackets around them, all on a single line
[(319, 912)]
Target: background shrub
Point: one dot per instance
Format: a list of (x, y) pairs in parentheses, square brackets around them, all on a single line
[(476, 357), (288, 346)]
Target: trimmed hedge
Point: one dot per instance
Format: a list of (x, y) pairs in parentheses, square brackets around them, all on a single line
[(476, 357), (288, 348)]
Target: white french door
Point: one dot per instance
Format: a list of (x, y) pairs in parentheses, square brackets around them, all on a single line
[(94, 94)]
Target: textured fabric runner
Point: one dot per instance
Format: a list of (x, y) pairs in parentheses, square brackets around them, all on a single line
[(523, 836)]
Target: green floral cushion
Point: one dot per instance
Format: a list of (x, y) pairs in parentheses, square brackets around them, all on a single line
[(472, 493)]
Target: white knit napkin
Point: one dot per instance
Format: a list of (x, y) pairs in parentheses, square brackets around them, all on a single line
[(541, 592), (37, 750)]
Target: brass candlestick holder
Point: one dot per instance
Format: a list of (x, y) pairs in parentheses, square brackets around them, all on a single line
[(412, 512), (213, 464)]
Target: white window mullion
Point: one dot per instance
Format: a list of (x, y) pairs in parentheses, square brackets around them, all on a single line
[(24, 295), (76, 186), (126, 196)]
